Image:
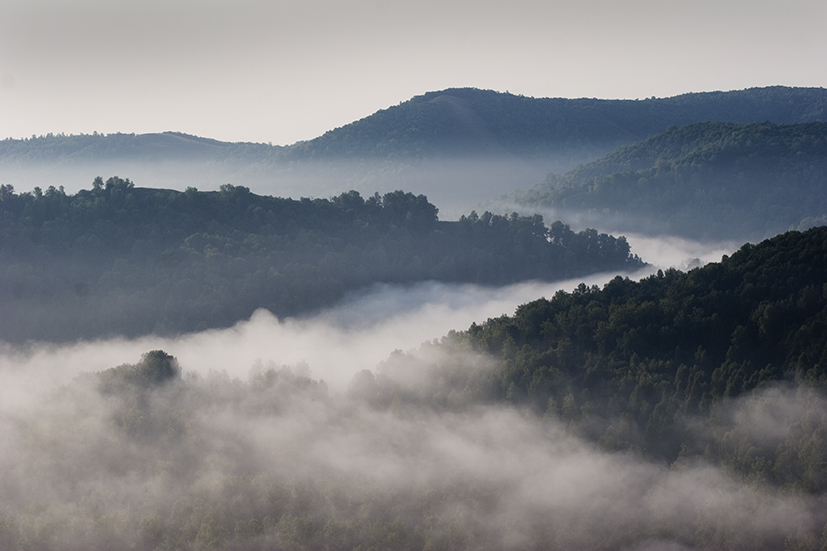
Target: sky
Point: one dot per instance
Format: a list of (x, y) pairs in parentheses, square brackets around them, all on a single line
[(280, 71)]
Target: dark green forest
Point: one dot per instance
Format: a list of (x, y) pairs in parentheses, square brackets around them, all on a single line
[(117, 259), (628, 364), (704, 181), (677, 367)]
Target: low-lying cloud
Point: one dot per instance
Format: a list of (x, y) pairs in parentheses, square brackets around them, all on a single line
[(249, 449), (279, 461)]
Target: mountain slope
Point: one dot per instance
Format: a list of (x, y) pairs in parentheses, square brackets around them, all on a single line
[(656, 366), (468, 121), (706, 180)]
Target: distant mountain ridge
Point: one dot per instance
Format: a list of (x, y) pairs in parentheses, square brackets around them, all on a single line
[(705, 180), (150, 147), (458, 121), (469, 120), (458, 146)]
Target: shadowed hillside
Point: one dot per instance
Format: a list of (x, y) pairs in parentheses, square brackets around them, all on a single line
[(706, 180), (467, 121), (118, 259)]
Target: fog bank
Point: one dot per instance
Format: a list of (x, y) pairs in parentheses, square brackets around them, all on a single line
[(269, 438), (278, 460)]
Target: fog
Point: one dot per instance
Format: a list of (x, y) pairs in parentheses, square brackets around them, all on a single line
[(272, 459), (358, 333), (289, 467), (269, 437)]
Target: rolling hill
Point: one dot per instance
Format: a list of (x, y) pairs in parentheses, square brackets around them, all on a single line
[(458, 146), (468, 121), (118, 259), (704, 181)]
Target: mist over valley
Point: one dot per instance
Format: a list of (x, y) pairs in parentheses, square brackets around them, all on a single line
[(386, 338)]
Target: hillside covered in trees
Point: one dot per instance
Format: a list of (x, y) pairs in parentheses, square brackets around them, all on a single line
[(704, 181), (627, 365), (724, 365), (468, 121), (117, 259)]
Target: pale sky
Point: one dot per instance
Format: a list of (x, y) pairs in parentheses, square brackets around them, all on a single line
[(280, 71)]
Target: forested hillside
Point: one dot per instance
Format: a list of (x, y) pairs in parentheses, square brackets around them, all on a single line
[(118, 259), (707, 180), (468, 121), (724, 365), (630, 365)]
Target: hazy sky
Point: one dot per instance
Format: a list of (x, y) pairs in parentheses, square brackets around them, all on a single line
[(285, 70)]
